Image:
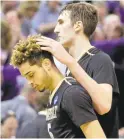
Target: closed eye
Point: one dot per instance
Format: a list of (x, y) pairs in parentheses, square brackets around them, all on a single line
[(30, 74), (60, 21)]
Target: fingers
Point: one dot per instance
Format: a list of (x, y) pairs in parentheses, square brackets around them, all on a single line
[(43, 38), (46, 49), (47, 46), (39, 39), (44, 43)]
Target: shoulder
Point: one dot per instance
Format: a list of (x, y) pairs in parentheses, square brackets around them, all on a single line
[(100, 60), (76, 93), (101, 56)]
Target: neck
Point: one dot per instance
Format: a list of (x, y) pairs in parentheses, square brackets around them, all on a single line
[(80, 46), (56, 78)]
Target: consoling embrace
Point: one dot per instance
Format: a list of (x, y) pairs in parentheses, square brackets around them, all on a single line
[(84, 103)]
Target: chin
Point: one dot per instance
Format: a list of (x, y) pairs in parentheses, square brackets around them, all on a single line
[(65, 44)]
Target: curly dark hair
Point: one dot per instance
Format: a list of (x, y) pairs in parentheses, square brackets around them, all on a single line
[(28, 50)]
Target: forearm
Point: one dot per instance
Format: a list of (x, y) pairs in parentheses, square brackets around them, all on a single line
[(46, 27), (98, 94), (93, 130)]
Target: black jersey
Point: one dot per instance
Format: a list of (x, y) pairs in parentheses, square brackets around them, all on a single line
[(99, 67), (69, 108)]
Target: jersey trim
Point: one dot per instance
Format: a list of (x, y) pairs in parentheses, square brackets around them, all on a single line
[(57, 87), (89, 52)]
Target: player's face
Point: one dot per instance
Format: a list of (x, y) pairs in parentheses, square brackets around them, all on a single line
[(64, 29), (36, 75)]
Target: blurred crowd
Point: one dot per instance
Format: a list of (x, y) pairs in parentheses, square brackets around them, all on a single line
[(22, 109)]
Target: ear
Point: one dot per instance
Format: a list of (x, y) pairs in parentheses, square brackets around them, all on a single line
[(78, 26), (46, 64)]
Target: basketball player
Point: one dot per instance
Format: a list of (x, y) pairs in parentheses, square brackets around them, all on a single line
[(92, 68), (70, 113)]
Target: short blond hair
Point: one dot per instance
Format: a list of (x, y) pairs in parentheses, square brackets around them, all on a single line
[(85, 12)]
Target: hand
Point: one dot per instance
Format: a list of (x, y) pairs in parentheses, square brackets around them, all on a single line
[(55, 48)]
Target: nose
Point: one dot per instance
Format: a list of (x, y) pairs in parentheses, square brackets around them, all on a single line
[(31, 83), (56, 30), (34, 86)]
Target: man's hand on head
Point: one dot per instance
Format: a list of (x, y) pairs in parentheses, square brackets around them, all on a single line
[(54, 47)]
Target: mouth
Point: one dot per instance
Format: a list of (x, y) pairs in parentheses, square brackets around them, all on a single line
[(35, 87), (58, 38)]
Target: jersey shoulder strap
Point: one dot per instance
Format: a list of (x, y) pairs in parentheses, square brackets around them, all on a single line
[(68, 82)]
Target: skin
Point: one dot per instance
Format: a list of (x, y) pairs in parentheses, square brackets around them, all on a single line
[(110, 23), (91, 132), (40, 77), (72, 37), (66, 39), (31, 73), (9, 127)]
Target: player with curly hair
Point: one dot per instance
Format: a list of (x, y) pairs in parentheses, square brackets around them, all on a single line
[(70, 113)]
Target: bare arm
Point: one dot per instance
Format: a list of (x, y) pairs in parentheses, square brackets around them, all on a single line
[(93, 130), (101, 94)]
